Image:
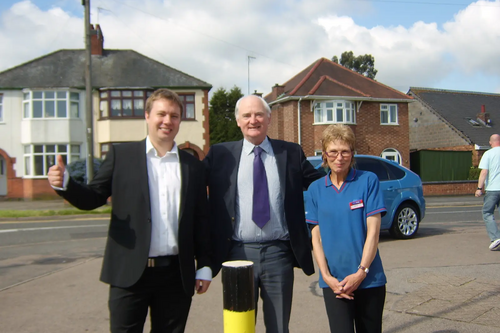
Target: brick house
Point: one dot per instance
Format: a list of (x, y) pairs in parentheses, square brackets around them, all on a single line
[(453, 121), (326, 93), (42, 111)]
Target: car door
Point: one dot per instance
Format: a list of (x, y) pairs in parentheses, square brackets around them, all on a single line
[(389, 187)]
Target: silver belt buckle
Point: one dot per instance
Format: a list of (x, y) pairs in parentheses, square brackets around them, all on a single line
[(151, 262)]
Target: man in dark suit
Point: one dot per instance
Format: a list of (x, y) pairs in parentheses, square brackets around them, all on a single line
[(257, 208), (159, 222)]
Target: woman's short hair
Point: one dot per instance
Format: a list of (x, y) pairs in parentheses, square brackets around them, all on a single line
[(338, 132), (163, 94)]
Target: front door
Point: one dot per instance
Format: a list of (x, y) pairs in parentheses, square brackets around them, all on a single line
[(3, 176)]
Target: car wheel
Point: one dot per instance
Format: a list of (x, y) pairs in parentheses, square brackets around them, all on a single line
[(406, 222)]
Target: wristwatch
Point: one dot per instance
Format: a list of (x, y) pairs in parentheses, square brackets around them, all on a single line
[(364, 268), (480, 188)]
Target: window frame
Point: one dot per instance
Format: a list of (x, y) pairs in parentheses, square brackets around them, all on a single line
[(1, 108), (29, 99), (185, 103), (106, 100), (330, 114), (392, 152), (30, 156), (387, 110)]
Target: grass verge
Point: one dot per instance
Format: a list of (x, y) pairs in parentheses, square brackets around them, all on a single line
[(69, 211)]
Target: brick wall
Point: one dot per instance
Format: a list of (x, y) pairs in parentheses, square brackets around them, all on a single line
[(38, 189), (290, 130), (372, 138), (467, 187), (428, 131), (15, 189)]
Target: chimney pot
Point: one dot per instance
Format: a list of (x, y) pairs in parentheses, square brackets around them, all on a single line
[(96, 40)]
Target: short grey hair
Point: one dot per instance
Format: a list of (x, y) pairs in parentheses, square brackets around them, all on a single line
[(264, 103)]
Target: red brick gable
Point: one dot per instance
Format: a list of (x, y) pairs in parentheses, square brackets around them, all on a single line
[(341, 82), (326, 86)]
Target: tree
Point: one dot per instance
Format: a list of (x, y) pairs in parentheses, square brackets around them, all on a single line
[(222, 123), (363, 64)]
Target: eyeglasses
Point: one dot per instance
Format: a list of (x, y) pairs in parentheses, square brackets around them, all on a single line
[(334, 153)]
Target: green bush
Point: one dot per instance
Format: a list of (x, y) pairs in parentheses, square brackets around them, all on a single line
[(78, 169), (474, 173)]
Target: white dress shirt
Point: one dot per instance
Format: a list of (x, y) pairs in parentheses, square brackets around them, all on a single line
[(164, 179)]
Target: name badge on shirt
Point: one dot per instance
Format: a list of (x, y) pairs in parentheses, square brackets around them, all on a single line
[(356, 204)]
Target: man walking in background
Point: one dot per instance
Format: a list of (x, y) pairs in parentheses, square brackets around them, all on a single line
[(489, 181)]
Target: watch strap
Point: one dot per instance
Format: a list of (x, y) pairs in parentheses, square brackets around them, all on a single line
[(364, 268)]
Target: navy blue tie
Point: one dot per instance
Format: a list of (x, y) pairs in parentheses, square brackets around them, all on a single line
[(260, 211)]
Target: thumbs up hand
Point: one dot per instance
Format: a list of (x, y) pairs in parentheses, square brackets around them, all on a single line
[(56, 172)]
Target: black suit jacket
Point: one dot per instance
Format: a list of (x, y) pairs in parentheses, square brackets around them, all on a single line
[(295, 173), (123, 175)]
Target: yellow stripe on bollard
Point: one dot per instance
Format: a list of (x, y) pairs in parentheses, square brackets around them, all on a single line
[(238, 296), (241, 322)]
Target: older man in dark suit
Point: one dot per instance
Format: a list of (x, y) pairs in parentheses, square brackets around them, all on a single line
[(257, 209), (158, 226)]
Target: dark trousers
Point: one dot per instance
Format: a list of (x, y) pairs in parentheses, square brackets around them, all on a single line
[(364, 312), (273, 277), (159, 289)]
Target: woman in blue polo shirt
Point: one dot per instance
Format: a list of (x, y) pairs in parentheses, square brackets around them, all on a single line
[(344, 210)]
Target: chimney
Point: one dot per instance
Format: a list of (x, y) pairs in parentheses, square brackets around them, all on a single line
[(483, 116), (277, 91), (257, 93), (96, 40)]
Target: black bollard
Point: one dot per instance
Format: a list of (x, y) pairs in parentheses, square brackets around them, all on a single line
[(238, 297)]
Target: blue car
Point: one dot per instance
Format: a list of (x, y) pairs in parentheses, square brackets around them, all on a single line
[(402, 189)]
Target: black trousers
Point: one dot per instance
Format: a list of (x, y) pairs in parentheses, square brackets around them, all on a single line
[(364, 312), (159, 289)]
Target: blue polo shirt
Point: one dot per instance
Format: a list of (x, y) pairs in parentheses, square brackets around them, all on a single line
[(341, 215)]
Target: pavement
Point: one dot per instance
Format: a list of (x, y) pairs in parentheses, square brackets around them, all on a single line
[(443, 281)]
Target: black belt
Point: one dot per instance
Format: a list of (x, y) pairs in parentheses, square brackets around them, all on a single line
[(270, 242), (162, 261)]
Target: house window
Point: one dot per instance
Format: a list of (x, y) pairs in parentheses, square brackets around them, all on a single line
[(51, 104), (334, 112), (389, 114), (1, 108), (188, 102), (123, 103), (39, 158), (392, 155)]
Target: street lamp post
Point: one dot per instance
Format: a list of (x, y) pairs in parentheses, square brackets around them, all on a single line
[(249, 57), (88, 94)]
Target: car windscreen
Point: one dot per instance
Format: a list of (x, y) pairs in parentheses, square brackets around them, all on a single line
[(372, 165)]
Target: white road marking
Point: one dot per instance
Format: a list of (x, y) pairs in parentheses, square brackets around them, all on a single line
[(453, 212), (52, 228)]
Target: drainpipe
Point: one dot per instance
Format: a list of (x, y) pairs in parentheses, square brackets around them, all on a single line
[(298, 123)]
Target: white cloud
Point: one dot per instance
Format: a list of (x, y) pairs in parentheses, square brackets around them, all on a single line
[(474, 38), (211, 39), (27, 32)]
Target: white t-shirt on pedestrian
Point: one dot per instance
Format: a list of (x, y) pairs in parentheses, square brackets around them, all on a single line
[(491, 162)]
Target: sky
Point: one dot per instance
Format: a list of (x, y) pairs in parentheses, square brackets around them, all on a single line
[(254, 44)]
